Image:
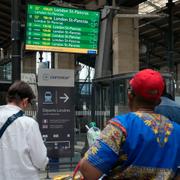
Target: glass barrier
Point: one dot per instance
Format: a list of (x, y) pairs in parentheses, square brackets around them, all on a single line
[(110, 96), (6, 72)]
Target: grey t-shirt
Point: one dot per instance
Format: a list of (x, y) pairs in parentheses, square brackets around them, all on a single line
[(169, 108)]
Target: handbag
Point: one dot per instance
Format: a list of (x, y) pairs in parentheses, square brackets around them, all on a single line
[(9, 121)]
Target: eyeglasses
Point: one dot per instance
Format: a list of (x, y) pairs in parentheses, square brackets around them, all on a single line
[(130, 90), (32, 101)]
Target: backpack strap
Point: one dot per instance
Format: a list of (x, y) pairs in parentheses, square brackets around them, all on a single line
[(10, 120)]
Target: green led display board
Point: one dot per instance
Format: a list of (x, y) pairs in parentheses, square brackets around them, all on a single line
[(58, 29)]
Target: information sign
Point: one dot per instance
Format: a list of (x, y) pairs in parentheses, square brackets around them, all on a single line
[(59, 29), (56, 111)]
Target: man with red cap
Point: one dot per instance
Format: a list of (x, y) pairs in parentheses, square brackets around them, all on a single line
[(140, 144)]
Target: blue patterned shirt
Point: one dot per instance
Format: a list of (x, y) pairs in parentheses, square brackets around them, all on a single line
[(137, 146)]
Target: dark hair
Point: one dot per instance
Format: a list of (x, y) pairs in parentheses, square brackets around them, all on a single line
[(18, 91), (142, 101), (146, 103)]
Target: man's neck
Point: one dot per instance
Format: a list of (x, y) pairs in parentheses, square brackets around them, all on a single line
[(15, 104), (145, 109)]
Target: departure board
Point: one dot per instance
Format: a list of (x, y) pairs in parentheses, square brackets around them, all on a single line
[(59, 29)]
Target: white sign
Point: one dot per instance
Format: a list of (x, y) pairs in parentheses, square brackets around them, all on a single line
[(56, 77), (28, 78)]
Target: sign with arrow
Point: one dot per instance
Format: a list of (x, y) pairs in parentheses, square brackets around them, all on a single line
[(56, 111), (65, 97)]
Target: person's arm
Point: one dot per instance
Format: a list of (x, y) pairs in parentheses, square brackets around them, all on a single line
[(89, 172), (37, 149), (102, 156)]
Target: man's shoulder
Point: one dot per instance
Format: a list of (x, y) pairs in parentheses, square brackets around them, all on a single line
[(6, 109), (129, 115), (28, 120), (168, 102), (125, 119), (2, 107), (173, 107)]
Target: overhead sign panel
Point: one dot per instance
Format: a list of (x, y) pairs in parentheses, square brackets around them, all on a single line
[(50, 28)]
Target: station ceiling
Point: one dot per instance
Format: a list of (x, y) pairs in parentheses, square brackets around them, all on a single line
[(153, 32)]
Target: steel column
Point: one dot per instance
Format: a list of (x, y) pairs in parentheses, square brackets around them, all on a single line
[(15, 39), (170, 53)]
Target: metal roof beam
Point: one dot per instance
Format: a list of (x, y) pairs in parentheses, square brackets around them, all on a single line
[(5, 28), (5, 16), (3, 22), (6, 2), (148, 22), (162, 29), (140, 16), (155, 26), (3, 38), (157, 43), (153, 21), (2, 33), (5, 7)]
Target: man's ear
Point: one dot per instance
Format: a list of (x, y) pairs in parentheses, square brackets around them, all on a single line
[(130, 96), (26, 99), (131, 100), (25, 102)]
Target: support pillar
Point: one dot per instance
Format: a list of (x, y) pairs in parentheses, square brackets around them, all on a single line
[(29, 64), (125, 45), (15, 40), (170, 52), (64, 61)]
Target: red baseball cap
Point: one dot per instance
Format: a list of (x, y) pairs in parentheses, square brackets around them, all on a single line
[(148, 84)]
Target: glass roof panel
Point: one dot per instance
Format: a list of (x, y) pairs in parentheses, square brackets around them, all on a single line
[(152, 5)]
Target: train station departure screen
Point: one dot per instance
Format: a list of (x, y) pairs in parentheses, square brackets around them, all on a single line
[(59, 29)]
